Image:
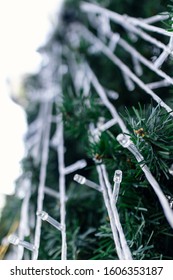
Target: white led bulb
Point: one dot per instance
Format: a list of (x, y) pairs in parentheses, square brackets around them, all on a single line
[(13, 239), (79, 179), (117, 181), (171, 169), (124, 140), (45, 217), (82, 180), (117, 176)]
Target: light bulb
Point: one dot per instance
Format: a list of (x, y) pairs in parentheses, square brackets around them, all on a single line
[(79, 179), (117, 176)]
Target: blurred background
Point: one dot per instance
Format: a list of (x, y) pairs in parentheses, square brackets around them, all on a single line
[(24, 27)]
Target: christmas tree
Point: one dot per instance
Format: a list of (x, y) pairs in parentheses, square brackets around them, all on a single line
[(97, 178)]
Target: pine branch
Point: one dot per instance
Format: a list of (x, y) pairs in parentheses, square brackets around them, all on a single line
[(81, 101), (112, 211), (127, 143)]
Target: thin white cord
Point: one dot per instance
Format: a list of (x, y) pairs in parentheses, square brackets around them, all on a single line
[(42, 178)]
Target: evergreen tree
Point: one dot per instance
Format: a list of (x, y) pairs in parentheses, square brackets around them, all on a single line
[(97, 108)]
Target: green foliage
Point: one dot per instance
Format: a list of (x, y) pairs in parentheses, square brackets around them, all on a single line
[(169, 22), (79, 112), (89, 233), (152, 131)]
